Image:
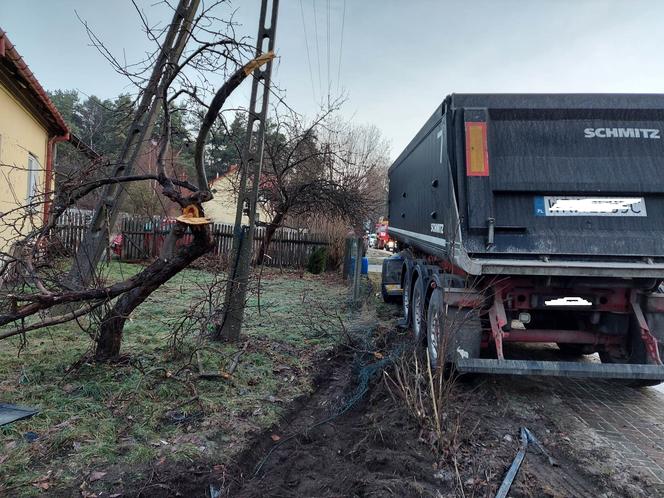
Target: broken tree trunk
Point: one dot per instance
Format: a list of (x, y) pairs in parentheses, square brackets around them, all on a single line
[(158, 273)]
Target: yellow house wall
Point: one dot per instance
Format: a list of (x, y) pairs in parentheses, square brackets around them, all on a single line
[(20, 135), (221, 209)]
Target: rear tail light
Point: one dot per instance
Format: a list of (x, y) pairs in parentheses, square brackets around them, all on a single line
[(477, 154)]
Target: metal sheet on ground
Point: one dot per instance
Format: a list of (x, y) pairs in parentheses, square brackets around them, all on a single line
[(12, 413)]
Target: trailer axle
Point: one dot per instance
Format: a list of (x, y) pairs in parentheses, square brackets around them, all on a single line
[(561, 337)]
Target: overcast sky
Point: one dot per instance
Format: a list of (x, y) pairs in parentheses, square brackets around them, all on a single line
[(399, 57)]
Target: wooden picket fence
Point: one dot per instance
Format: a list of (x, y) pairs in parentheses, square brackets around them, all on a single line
[(143, 238), (69, 231)]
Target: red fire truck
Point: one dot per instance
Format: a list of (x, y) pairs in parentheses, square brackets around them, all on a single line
[(383, 240)]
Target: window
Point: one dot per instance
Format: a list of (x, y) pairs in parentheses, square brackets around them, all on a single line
[(33, 176)]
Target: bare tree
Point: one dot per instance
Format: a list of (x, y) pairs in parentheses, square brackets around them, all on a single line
[(326, 168), (195, 44)]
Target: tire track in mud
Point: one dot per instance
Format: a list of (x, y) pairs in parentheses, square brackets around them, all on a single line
[(370, 450)]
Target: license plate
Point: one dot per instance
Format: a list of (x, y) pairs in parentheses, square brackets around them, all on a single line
[(589, 206)]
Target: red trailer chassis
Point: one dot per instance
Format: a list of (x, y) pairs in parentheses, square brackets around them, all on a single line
[(518, 296), (582, 314)]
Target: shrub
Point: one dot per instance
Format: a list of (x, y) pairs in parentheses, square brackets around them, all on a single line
[(336, 230), (317, 261)]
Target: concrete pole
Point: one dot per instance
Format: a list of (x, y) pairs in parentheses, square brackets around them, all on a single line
[(243, 236)]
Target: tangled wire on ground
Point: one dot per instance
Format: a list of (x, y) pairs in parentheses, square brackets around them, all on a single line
[(367, 364)]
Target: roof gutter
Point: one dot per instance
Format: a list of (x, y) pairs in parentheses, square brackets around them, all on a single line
[(48, 172)]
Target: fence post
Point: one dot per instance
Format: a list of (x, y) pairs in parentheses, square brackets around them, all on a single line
[(348, 255), (156, 232), (357, 272)]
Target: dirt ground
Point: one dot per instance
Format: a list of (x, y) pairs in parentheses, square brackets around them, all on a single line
[(376, 449)]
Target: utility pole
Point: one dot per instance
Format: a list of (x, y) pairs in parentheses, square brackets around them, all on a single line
[(252, 163), (106, 213)]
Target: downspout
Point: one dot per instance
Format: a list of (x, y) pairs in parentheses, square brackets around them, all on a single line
[(48, 172)]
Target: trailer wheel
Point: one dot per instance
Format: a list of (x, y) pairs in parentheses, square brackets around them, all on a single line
[(435, 326), (417, 311), (406, 302)]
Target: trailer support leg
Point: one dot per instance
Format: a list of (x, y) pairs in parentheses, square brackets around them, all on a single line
[(498, 321), (648, 339)]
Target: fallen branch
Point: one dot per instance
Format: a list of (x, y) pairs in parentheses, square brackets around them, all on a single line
[(236, 359), (56, 320), (206, 374)]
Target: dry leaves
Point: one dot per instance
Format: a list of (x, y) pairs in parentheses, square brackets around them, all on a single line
[(95, 476), (43, 482)]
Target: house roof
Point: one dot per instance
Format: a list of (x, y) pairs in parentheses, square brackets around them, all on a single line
[(27, 83), (267, 181), (84, 148)]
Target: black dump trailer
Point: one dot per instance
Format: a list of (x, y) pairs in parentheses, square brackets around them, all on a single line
[(534, 218)]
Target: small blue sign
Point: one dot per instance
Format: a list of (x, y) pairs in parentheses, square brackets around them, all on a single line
[(539, 206)]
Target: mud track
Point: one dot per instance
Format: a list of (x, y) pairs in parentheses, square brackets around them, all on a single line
[(370, 450)]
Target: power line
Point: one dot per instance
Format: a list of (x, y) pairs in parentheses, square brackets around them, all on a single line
[(306, 44), (341, 43), (320, 80)]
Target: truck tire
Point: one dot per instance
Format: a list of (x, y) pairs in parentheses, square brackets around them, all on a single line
[(634, 352), (452, 332), (406, 293), (418, 312), (434, 326)]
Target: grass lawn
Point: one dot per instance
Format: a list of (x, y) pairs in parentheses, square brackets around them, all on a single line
[(152, 407)]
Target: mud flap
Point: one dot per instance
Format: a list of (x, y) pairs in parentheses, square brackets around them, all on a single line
[(390, 286), (465, 329)]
